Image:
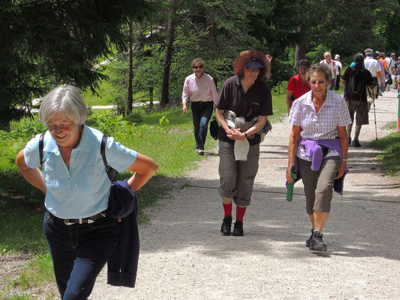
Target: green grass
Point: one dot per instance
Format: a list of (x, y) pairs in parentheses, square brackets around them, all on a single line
[(107, 93), (390, 145), (37, 274)]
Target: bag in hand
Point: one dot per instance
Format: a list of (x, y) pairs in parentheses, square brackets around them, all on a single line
[(214, 128)]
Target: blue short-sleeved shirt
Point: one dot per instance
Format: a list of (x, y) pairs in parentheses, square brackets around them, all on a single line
[(82, 190)]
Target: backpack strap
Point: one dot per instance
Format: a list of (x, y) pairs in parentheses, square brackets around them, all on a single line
[(103, 150), (112, 173), (41, 146)]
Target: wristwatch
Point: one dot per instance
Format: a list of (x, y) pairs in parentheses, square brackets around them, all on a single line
[(345, 160), (245, 134)]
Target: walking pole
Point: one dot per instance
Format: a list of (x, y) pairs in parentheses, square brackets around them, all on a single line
[(371, 94), (373, 101)]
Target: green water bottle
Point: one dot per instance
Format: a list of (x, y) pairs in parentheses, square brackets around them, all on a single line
[(290, 186)]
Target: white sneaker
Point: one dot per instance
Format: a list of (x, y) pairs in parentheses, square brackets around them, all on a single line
[(200, 151)]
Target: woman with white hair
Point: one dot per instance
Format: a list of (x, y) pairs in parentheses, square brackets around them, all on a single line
[(318, 148), (80, 233)]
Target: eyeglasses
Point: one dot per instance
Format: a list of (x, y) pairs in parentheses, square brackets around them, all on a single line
[(320, 82), (253, 69), (198, 67)]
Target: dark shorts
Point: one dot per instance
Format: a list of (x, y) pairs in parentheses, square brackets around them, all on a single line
[(360, 108)]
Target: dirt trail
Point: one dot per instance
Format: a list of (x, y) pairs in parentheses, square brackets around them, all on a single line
[(183, 255)]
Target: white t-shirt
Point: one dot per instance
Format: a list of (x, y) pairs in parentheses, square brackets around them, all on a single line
[(331, 66), (338, 66), (372, 65)]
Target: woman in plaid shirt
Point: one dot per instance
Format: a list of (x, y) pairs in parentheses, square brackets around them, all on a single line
[(318, 147)]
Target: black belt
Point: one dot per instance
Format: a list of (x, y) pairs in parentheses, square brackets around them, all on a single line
[(88, 220)]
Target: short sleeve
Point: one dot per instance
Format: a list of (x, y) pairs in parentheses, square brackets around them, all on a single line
[(295, 113), (118, 156), (290, 86), (344, 115), (223, 96), (346, 74), (266, 106), (31, 153)]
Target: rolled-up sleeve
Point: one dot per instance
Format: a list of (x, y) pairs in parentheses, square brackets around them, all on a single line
[(186, 91)]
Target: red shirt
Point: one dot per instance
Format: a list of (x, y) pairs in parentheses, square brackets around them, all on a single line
[(297, 87)]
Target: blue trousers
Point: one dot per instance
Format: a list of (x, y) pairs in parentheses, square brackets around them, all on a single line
[(79, 253), (201, 115)]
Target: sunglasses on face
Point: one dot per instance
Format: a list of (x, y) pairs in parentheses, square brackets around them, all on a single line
[(198, 67), (253, 69)]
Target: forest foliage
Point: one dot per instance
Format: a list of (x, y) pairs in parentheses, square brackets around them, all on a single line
[(46, 43)]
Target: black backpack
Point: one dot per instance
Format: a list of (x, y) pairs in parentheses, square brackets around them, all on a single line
[(112, 173), (356, 84)]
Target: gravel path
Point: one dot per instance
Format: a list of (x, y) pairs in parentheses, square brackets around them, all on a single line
[(183, 255)]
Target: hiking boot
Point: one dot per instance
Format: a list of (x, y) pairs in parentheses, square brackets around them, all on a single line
[(226, 225), (309, 240), (355, 143), (349, 140), (317, 244), (238, 229)]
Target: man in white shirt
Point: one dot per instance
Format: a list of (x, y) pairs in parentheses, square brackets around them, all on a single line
[(374, 67), (331, 64), (338, 66)]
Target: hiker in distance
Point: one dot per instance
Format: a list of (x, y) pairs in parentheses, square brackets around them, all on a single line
[(298, 84), (374, 67), (338, 66), (356, 80), (200, 89), (319, 120), (80, 233), (332, 66), (244, 104)]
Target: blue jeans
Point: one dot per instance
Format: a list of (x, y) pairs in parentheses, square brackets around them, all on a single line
[(201, 115), (79, 253)]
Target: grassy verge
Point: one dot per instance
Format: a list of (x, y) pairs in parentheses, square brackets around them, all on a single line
[(390, 145)]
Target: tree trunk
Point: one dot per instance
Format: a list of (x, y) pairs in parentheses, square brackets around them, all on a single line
[(168, 59), (151, 93), (301, 48), (130, 74)]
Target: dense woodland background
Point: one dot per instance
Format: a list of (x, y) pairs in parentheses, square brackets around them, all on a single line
[(45, 43)]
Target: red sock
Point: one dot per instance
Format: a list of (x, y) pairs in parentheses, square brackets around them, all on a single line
[(240, 211), (227, 209)]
